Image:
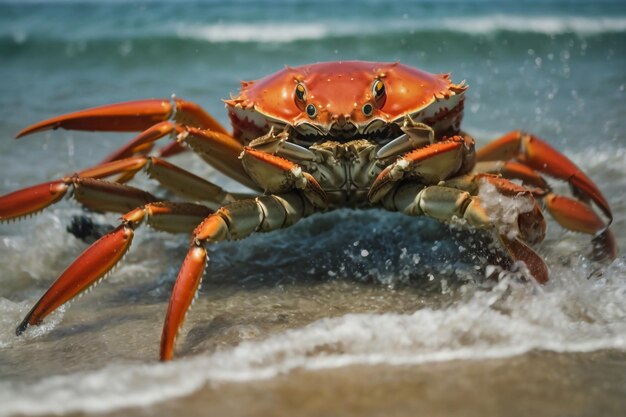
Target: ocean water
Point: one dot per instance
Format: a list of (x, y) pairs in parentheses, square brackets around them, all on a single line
[(319, 317)]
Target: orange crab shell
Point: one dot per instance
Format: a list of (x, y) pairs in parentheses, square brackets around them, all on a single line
[(340, 89)]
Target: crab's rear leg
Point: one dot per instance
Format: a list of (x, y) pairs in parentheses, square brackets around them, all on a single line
[(570, 213), (97, 260), (91, 191), (539, 155), (580, 217), (234, 221)]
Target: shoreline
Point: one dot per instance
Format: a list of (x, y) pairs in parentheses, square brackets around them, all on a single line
[(540, 383)]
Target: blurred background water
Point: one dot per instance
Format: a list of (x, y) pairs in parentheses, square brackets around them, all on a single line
[(339, 299)]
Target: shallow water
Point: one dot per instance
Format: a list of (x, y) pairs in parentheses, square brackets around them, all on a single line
[(359, 312)]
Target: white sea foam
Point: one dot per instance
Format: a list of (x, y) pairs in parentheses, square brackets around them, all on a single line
[(289, 32), (510, 319), (254, 32), (549, 25)]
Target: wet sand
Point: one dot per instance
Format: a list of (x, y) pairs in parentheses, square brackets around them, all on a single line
[(535, 384)]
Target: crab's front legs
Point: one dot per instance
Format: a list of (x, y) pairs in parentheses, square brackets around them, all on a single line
[(446, 203), (234, 221), (428, 165), (130, 116)]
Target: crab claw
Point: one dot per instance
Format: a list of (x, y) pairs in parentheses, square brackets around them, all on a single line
[(185, 289), (429, 164), (278, 175), (537, 154), (31, 200), (87, 269)]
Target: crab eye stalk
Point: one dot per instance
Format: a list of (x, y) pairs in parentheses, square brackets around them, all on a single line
[(311, 111), (367, 109), (300, 96), (379, 93)]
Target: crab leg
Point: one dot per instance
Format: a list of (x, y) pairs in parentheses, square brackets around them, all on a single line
[(513, 170), (90, 191), (144, 141), (539, 155), (571, 214), (429, 165), (219, 150), (130, 116), (579, 217), (445, 203), (134, 116), (234, 221), (97, 260)]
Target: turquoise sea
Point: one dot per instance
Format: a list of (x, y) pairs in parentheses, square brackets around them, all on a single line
[(358, 313)]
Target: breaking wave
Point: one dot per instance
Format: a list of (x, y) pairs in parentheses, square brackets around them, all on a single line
[(480, 25), (511, 319)]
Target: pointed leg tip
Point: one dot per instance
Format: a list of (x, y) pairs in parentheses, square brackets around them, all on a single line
[(22, 327), (604, 246)]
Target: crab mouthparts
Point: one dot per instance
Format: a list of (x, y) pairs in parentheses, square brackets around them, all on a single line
[(307, 134)]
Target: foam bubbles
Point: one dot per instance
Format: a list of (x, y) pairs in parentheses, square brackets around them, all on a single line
[(510, 318)]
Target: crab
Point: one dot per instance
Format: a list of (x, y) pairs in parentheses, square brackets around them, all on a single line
[(309, 139)]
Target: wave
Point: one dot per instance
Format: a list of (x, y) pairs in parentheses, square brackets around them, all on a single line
[(279, 32), (511, 319), (483, 25)]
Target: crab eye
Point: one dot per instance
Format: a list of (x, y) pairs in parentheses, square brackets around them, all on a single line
[(378, 91), (367, 109), (300, 95), (311, 111)]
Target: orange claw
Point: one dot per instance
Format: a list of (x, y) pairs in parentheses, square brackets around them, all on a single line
[(185, 289), (278, 175), (537, 154), (32, 199), (129, 116), (90, 266), (430, 164)]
